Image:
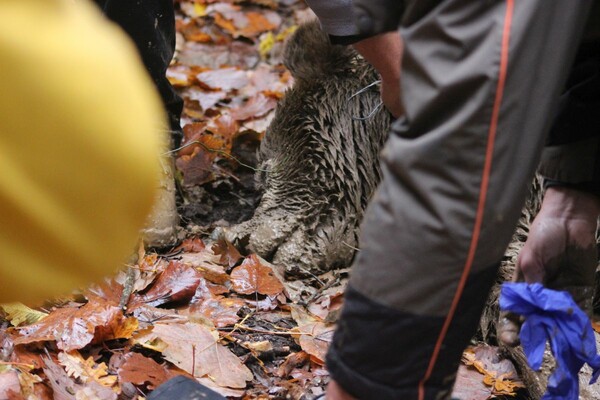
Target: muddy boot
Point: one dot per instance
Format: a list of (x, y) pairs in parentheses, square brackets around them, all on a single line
[(161, 227)]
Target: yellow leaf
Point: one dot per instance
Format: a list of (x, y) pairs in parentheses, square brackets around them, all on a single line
[(126, 329), (287, 32), (200, 9), (27, 381), (266, 44), (19, 314), (86, 370)]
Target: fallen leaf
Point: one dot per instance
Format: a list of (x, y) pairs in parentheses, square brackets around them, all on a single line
[(86, 370), (500, 374), (177, 283), (257, 106), (291, 362), (206, 100), (208, 265), (109, 291), (9, 382), (25, 356), (74, 328), (141, 370), (63, 386), (191, 245), (224, 79), (193, 348), (251, 24), (28, 382), (596, 326), (224, 126), (19, 314), (254, 277), (230, 256), (315, 339), (219, 310)]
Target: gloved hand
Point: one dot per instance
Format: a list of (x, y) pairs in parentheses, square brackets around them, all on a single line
[(377, 16), (552, 316), (560, 252)]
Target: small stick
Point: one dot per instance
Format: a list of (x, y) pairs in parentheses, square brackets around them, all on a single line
[(130, 279)]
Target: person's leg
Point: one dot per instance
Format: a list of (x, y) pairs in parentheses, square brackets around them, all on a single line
[(479, 80), (151, 25)]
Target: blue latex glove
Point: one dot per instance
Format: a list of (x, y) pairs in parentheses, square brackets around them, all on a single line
[(554, 316)]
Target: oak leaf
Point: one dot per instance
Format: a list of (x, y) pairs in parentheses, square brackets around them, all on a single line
[(65, 388), (86, 369)]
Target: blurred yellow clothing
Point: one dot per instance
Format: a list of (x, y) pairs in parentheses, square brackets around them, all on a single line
[(80, 127)]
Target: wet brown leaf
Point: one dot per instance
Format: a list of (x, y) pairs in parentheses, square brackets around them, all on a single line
[(141, 370), (9, 382), (315, 339), (191, 245), (74, 328), (221, 311), (197, 168), (224, 126), (257, 106), (194, 348), (230, 256), (291, 362), (177, 283), (108, 291), (254, 277)]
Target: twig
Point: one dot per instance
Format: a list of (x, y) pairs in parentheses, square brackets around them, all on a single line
[(247, 328), (130, 279), (18, 364), (218, 151), (320, 291)]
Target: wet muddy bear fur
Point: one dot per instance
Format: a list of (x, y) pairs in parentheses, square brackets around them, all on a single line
[(318, 162)]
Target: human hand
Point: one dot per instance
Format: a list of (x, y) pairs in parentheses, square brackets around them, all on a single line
[(560, 252)]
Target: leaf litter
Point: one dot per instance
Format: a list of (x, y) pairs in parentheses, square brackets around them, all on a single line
[(202, 310)]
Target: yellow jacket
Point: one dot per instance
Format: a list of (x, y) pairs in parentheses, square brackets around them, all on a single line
[(79, 136)]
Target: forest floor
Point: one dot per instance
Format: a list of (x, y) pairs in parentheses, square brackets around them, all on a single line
[(202, 309)]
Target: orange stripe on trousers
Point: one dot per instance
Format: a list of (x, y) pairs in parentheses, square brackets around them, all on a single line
[(482, 197)]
